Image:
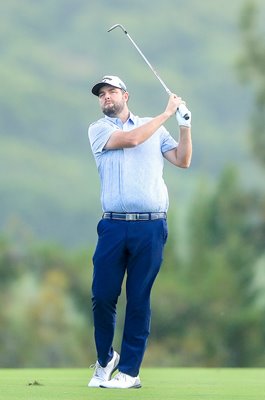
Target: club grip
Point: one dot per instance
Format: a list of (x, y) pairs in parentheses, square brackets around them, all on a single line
[(184, 112)]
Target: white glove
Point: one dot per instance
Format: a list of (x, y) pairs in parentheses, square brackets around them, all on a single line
[(181, 111)]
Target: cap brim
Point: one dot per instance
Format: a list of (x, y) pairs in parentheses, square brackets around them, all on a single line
[(96, 88)]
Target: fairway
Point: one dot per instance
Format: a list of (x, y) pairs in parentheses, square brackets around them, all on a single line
[(168, 384)]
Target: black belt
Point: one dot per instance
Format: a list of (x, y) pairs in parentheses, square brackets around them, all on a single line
[(134, 216)]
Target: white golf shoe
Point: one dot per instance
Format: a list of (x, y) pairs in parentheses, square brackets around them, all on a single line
[(122, 381), (103, 374)]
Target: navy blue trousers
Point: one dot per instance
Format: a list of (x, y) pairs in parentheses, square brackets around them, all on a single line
[(134, 249)]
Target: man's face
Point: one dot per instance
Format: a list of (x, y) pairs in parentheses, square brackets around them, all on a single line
[(112, 100)]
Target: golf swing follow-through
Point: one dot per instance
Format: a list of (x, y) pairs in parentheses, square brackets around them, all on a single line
[(129, 152), (182, 108)]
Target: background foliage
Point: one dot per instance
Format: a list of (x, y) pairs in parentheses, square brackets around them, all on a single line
[(208, 302)]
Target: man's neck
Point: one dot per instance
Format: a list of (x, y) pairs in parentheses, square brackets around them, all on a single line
[(124, 115)]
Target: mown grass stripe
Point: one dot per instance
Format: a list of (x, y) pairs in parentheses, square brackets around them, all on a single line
[(158, 383)]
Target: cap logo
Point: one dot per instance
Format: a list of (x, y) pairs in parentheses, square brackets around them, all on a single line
[(116, 82), (106, 78)]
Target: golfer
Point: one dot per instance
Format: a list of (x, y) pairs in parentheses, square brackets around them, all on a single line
[(129, 152)]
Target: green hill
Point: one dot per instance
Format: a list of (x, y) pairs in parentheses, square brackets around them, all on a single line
[(52, 53)]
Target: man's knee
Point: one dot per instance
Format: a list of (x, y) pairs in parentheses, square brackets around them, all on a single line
[(104, 299)]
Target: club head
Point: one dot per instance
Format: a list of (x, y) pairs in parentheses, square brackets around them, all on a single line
[(117, 26)]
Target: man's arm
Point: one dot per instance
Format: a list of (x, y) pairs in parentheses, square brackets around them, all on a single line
[(181, 156), (136, 136)]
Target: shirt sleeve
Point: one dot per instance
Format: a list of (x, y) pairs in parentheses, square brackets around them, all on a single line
[(98, 134), (167, 141)]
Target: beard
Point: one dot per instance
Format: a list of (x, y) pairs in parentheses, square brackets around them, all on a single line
[(114, 109)]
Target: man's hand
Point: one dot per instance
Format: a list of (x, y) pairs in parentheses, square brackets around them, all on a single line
[(173, 104), (182, 121)]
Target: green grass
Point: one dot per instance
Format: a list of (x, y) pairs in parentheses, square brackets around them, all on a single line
[(168, 384)]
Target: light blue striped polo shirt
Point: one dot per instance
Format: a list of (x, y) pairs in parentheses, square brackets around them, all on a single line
[(131, 178)]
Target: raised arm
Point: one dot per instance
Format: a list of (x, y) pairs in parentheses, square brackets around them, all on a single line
[(181, 156), (136, 136)]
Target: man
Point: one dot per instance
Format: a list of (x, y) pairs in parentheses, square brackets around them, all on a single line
[(129, 153)]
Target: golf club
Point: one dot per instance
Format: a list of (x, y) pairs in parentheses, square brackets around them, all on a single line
[(182, 108)]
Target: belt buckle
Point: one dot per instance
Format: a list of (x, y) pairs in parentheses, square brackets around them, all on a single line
[(132, 217)]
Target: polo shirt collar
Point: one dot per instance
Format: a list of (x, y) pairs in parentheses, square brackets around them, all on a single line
[(117, 121)]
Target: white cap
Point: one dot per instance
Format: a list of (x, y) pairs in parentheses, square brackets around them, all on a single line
[(109, 80)]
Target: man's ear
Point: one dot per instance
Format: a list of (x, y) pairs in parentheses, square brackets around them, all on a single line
[(126, 95)]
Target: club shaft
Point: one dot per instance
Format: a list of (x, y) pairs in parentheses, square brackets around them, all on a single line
[(148, 63), (183, 109)]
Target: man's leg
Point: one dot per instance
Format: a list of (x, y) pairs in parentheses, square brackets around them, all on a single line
[(145, 243), (109, 268)]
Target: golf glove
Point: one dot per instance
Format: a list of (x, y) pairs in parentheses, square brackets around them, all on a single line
[(181, 120)]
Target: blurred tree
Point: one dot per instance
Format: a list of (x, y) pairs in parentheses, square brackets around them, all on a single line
[(46, 318), (204, 309), (226, 241), (251, 67)]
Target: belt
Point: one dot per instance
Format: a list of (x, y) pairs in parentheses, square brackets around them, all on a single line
[(134, 216)]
